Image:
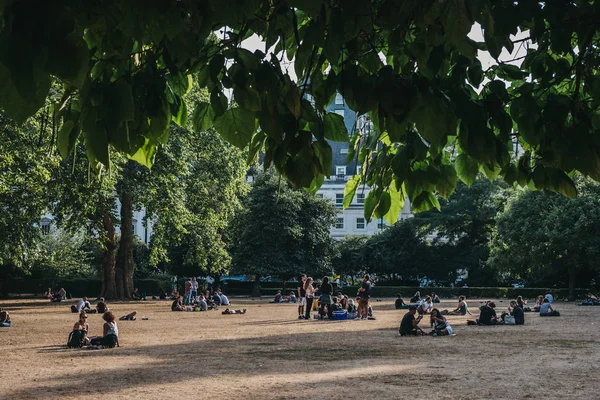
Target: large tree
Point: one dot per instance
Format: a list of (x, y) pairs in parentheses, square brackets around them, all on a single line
[(548, 238), (410, 66), (282, 232)]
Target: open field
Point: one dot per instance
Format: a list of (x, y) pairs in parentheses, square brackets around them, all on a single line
[(269, 354)]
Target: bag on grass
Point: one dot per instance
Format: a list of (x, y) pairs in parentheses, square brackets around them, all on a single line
[(509, 320), (76, 339)]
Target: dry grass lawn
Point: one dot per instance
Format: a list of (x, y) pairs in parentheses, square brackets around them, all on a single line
[(269, 354)]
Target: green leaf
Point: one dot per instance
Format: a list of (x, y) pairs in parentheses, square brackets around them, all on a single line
[(371, 202), (66, 138), (466, 169), (397, 203), (456, 21), (203, 117), (350, 190), (434, 120), (447, 181), (316, 183), (425, 201), (96, 141), (325, 155), (236, 126), (219, 102), (182, 114), (145, 154), (510, 72), (335, 129), (561, 183), (475, 73), (385, 201), (248, 98), (180, 83), (335, 37)]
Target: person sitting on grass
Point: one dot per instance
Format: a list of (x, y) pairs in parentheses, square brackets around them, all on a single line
[(110, 334), (591, 300), (48, 294), (351, 309), (538, 303), (439, 324), (425, 306), (517, 311), (546, 309), (101, 307), (129, 317), (81, 305), (5, 321), (435, 298), (409, 326), (416, 298), (224, 299), (178, 305), (216, 299), (399, 304), (200, 303), (136, 295), (174, 295), (82, 325), (278, 298), (488, 316), (462, 308), (228, 311), (59, 296), (336, 305)]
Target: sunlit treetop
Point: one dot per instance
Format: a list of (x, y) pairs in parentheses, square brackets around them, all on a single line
[(408, 65)]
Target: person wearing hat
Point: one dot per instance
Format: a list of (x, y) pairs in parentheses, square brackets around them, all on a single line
[(410, 324)]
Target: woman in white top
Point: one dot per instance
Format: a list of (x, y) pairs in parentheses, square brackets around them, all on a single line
[(110, 336), (439, 324), (310, 296)]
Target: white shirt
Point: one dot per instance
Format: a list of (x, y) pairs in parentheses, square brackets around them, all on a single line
[(195, 285), (224, 300), (81, 304), (112, 329), (426, 305), (550, 298)]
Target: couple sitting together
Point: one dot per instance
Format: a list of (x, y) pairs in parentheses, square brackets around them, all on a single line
[(110, 334), (410, 324)]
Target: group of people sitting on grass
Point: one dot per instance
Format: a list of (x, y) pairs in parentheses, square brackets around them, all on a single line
[(409, 326), (110, 333), (319, 296), (83, 305), (279, 298), (591, 300), (202, 302), (57, 296)]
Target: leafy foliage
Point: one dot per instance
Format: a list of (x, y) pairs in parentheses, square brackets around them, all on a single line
[(544, 237), (282, 231), (410, 66)]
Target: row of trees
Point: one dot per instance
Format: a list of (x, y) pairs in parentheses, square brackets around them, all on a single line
[(190, 196)]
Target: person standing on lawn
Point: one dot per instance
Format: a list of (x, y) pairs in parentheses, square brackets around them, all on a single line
[(301, 296), (364, 293)]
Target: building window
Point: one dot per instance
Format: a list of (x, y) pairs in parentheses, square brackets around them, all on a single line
[(339, 199), (339, 224), (340, 171), (340, 112), (343, 151), (358, 169), (45, 229), (360, 223), (320, 195), (339, 99), (360, 198), (380, 223)]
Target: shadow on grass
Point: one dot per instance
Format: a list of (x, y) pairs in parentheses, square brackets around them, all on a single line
[(248, 357)]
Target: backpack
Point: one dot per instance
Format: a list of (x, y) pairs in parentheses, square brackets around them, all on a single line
[(76, 339)]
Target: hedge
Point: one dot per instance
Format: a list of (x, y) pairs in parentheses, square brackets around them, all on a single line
[(78, 287), (471, 292)]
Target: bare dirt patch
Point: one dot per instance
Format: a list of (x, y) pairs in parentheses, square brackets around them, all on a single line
[(269, 354)]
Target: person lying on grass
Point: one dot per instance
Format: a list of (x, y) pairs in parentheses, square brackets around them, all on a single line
[(228, 311), (409, 326), (129, 317), (5, 321)]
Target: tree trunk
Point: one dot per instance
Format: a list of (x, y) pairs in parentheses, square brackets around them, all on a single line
[(572, 276), (256, 287), (125, 264), (109, 289)]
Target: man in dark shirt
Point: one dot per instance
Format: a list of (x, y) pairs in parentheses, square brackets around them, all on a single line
[(518, 314), (410, 324), (399, 302), (364, 292), (101, 306), (488, 314), (177, 305)]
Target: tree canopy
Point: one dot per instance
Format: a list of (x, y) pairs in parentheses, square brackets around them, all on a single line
[(409, 66)]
